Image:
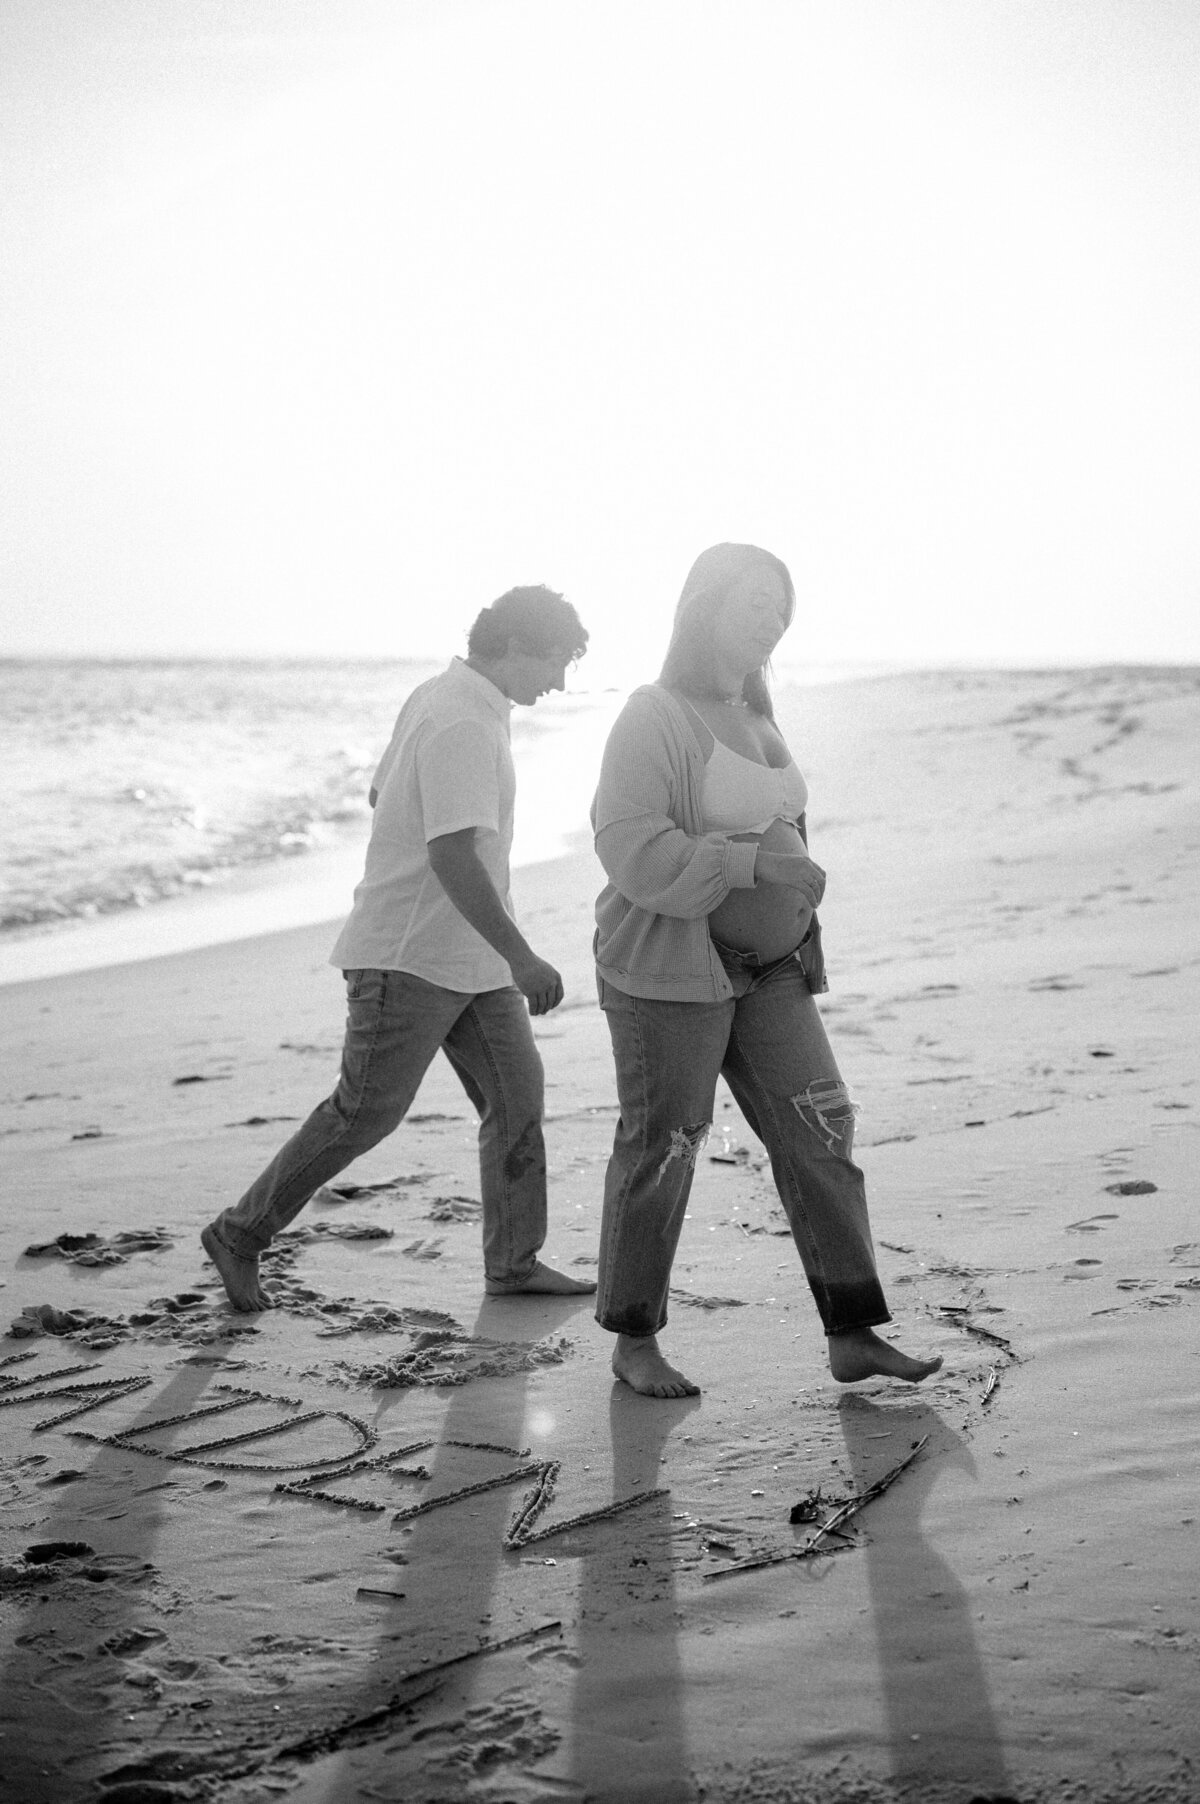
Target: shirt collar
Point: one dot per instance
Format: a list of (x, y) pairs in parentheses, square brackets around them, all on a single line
[(487, 691)]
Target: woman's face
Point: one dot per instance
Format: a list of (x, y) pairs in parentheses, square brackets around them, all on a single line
[(751, 620)]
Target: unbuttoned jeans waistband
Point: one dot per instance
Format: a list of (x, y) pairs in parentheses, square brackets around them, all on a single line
[(750, 961)]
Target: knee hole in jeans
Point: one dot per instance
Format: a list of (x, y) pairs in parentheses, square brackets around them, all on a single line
[(685, 1146), (828, 1109)]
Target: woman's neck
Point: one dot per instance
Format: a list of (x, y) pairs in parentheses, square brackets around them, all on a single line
[(723, 684)]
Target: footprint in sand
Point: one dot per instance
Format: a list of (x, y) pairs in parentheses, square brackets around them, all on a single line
[(337, 1230), (424, 1249), (101, 1249), (455, 1208), (345, 1193)]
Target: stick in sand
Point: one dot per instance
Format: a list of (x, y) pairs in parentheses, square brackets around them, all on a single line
[(832, 1527)]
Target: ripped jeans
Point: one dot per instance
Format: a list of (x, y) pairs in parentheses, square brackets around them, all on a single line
[(768, 1041), (395, 1025)]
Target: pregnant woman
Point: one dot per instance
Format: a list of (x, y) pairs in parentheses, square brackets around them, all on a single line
[(708, 952)]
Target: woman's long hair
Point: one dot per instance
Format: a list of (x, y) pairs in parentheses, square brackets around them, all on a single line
[(688, 663)]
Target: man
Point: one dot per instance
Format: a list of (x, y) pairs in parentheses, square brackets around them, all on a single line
[(433, 958)]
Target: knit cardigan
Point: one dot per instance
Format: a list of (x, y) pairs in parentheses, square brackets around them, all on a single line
[(666, 874)]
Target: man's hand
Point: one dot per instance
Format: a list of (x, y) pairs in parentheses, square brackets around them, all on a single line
[(539, 983), (457, 867)]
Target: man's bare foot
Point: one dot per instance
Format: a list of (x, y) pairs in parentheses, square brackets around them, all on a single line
[(543, 1281), (637, 1361), (859, 1353), (238, 1275)]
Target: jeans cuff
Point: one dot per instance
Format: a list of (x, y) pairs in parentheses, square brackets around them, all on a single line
[(241, 1244)]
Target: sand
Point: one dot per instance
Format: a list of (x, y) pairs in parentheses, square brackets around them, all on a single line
[(1014, 869)]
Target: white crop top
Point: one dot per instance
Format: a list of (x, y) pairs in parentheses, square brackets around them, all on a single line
[(741, 796)]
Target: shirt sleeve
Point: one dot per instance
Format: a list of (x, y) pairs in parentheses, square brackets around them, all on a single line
[(457, 780), (646, 855)]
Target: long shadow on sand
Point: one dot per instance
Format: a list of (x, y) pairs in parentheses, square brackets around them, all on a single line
[(452, 1597), (629, 1655), (69, 1710), (940, 1720)]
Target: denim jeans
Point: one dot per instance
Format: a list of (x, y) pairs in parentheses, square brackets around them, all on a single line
[(769, 1043), (395, 1026)]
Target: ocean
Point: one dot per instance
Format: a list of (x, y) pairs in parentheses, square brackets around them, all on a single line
[(129, 784), (153, 805)]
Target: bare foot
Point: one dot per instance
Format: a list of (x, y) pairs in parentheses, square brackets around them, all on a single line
[(859, 1353), (637, 1360), (238, 1275), (543, 1281)]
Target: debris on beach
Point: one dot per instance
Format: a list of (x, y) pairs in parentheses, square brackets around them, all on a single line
[(809, 1507), (995, 1340), (261, 1120), (781, 1228)]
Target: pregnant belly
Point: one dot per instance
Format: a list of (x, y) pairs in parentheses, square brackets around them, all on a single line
[(769, 919)]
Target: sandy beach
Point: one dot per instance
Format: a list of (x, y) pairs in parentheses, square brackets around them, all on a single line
[(364, 1546)]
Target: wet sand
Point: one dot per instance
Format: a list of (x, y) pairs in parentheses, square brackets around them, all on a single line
[(1014, 867)]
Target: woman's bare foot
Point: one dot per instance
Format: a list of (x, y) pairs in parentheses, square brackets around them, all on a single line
[(543, 1281), (859, 1353), (238, 1275), (637, 1361)]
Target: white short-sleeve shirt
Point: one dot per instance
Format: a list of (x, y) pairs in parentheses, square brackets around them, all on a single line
[(448, 766)]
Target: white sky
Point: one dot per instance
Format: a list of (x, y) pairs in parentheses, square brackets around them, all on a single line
[(321, 324)]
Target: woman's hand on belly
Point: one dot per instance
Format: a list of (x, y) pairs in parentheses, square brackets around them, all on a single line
[(790, 871), (773, 917)]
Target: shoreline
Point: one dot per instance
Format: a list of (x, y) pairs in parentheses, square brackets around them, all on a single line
[(256, 900), (317, 886), (312, 890)]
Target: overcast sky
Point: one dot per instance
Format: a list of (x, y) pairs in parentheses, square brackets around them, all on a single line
[(321, 324)]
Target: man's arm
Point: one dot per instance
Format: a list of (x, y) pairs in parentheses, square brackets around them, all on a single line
[(458, 868)]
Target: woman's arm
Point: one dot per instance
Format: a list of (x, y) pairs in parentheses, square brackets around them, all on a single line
[(666, 871), (649, 858)]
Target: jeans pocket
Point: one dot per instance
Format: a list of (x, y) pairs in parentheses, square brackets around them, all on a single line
[(360, 984)]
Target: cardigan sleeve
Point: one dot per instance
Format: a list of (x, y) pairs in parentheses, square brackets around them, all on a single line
[(651, 860)]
